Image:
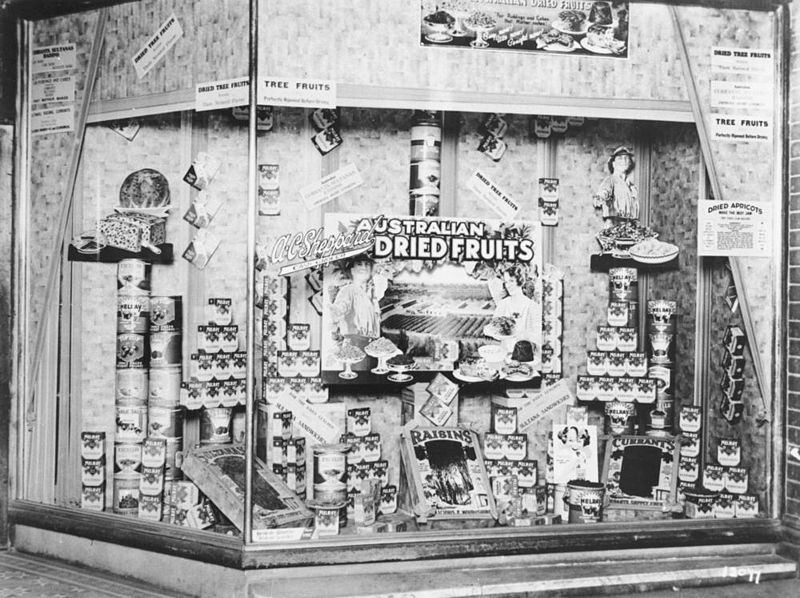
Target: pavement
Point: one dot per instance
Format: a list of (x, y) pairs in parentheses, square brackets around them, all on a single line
[(25, 576)]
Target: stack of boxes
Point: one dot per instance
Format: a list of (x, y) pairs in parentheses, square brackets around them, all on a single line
[(552, 323), (690, 424), (661, 331), (364, 464), (131, 392), (732, 384), (288, 453), (93, 471), (513, 477), (616, 371)]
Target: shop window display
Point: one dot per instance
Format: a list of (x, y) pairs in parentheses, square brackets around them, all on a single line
[(462, 319)]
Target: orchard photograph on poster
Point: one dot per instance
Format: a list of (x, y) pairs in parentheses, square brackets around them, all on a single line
[(432, 292)]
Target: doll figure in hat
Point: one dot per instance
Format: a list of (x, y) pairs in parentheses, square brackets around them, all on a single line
[(617, 195)]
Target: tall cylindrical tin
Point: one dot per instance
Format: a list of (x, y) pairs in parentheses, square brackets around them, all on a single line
[(131, 386), (127, 457), (330, 472), (166, 313), (174, 459), (133, 351), (126, 494), (164, 421), (165, 349), (133, 313), (131, 423), (133, 277), (215, 425), (165, 386)]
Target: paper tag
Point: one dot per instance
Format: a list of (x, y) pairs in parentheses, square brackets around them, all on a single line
[(157, 46), (493, 196), (331, 186), (52, 120), (56, 88), (53, 58), (734, 228), (542, 407), (226, 93), (742, 61), (737, 129), (304, 93), (306, 417), (285, 534)]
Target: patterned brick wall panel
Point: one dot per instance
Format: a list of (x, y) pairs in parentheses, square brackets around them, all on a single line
[(369, 42), (674, 180)]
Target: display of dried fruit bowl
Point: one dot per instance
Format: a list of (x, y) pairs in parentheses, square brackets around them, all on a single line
[(652, 251)]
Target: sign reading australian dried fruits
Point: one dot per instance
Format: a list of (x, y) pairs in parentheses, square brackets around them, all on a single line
[(580, 27)]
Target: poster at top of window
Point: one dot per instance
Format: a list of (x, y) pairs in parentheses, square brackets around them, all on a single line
[(576, 27)]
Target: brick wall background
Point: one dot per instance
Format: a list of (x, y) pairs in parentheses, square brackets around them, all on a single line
[(793, 381)]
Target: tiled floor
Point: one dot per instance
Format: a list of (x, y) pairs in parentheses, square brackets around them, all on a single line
[(23, 576)]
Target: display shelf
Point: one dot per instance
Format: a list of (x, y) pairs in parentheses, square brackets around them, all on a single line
[(112, 255), (602, 263), (374, 381)]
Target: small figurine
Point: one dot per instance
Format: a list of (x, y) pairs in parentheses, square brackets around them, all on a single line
[(617, 194)]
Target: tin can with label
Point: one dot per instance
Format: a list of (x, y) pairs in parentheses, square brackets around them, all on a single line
[(133, 313), (426, 142), (215, 425), (165, 386), (330, 471), (219, 311), (93, 498), (165, 422), (131, 423), (165, 349), (93, 471), (504, 419), (623, 284), (154, 452), (133, 277), (359, 421), (166, 314), (174, 459), (150, 507), (93, 445), (126, 494), (133, 351), (152, 481), (131, 387), (127, 457)]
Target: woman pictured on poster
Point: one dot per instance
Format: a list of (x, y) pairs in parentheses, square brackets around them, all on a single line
[(515, 298), (572, 455), (355, 309), (617, 195)]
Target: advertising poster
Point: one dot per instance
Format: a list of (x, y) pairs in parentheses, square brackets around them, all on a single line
[(640, 472), (734, 228), (432, 292), (576, 27)]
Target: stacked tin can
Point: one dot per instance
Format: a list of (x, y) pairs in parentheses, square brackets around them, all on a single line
[(133, 358), (661, 330), (426, 165), (93, 470), (161, 460)]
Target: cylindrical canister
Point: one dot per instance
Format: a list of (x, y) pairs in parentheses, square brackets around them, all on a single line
[(126, 494), (131, 386), (133, 277), (166, 313), (330, 472), (132, 351), (133, 313), (165, 386), (93, 471), (131, 423), (165, 349), (426, 142), (174, 459), (165, 421), (127, 457), (623, 284), (215, 425)]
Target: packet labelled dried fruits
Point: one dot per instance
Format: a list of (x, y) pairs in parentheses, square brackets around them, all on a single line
[(203, 209), (201, 248), (492, 146), (326, 141), (202, 171)]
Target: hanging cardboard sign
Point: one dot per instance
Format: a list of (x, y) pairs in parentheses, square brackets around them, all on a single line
[(47, 59), (302, 93), (499, 201), (157, 46), (227, 93)]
